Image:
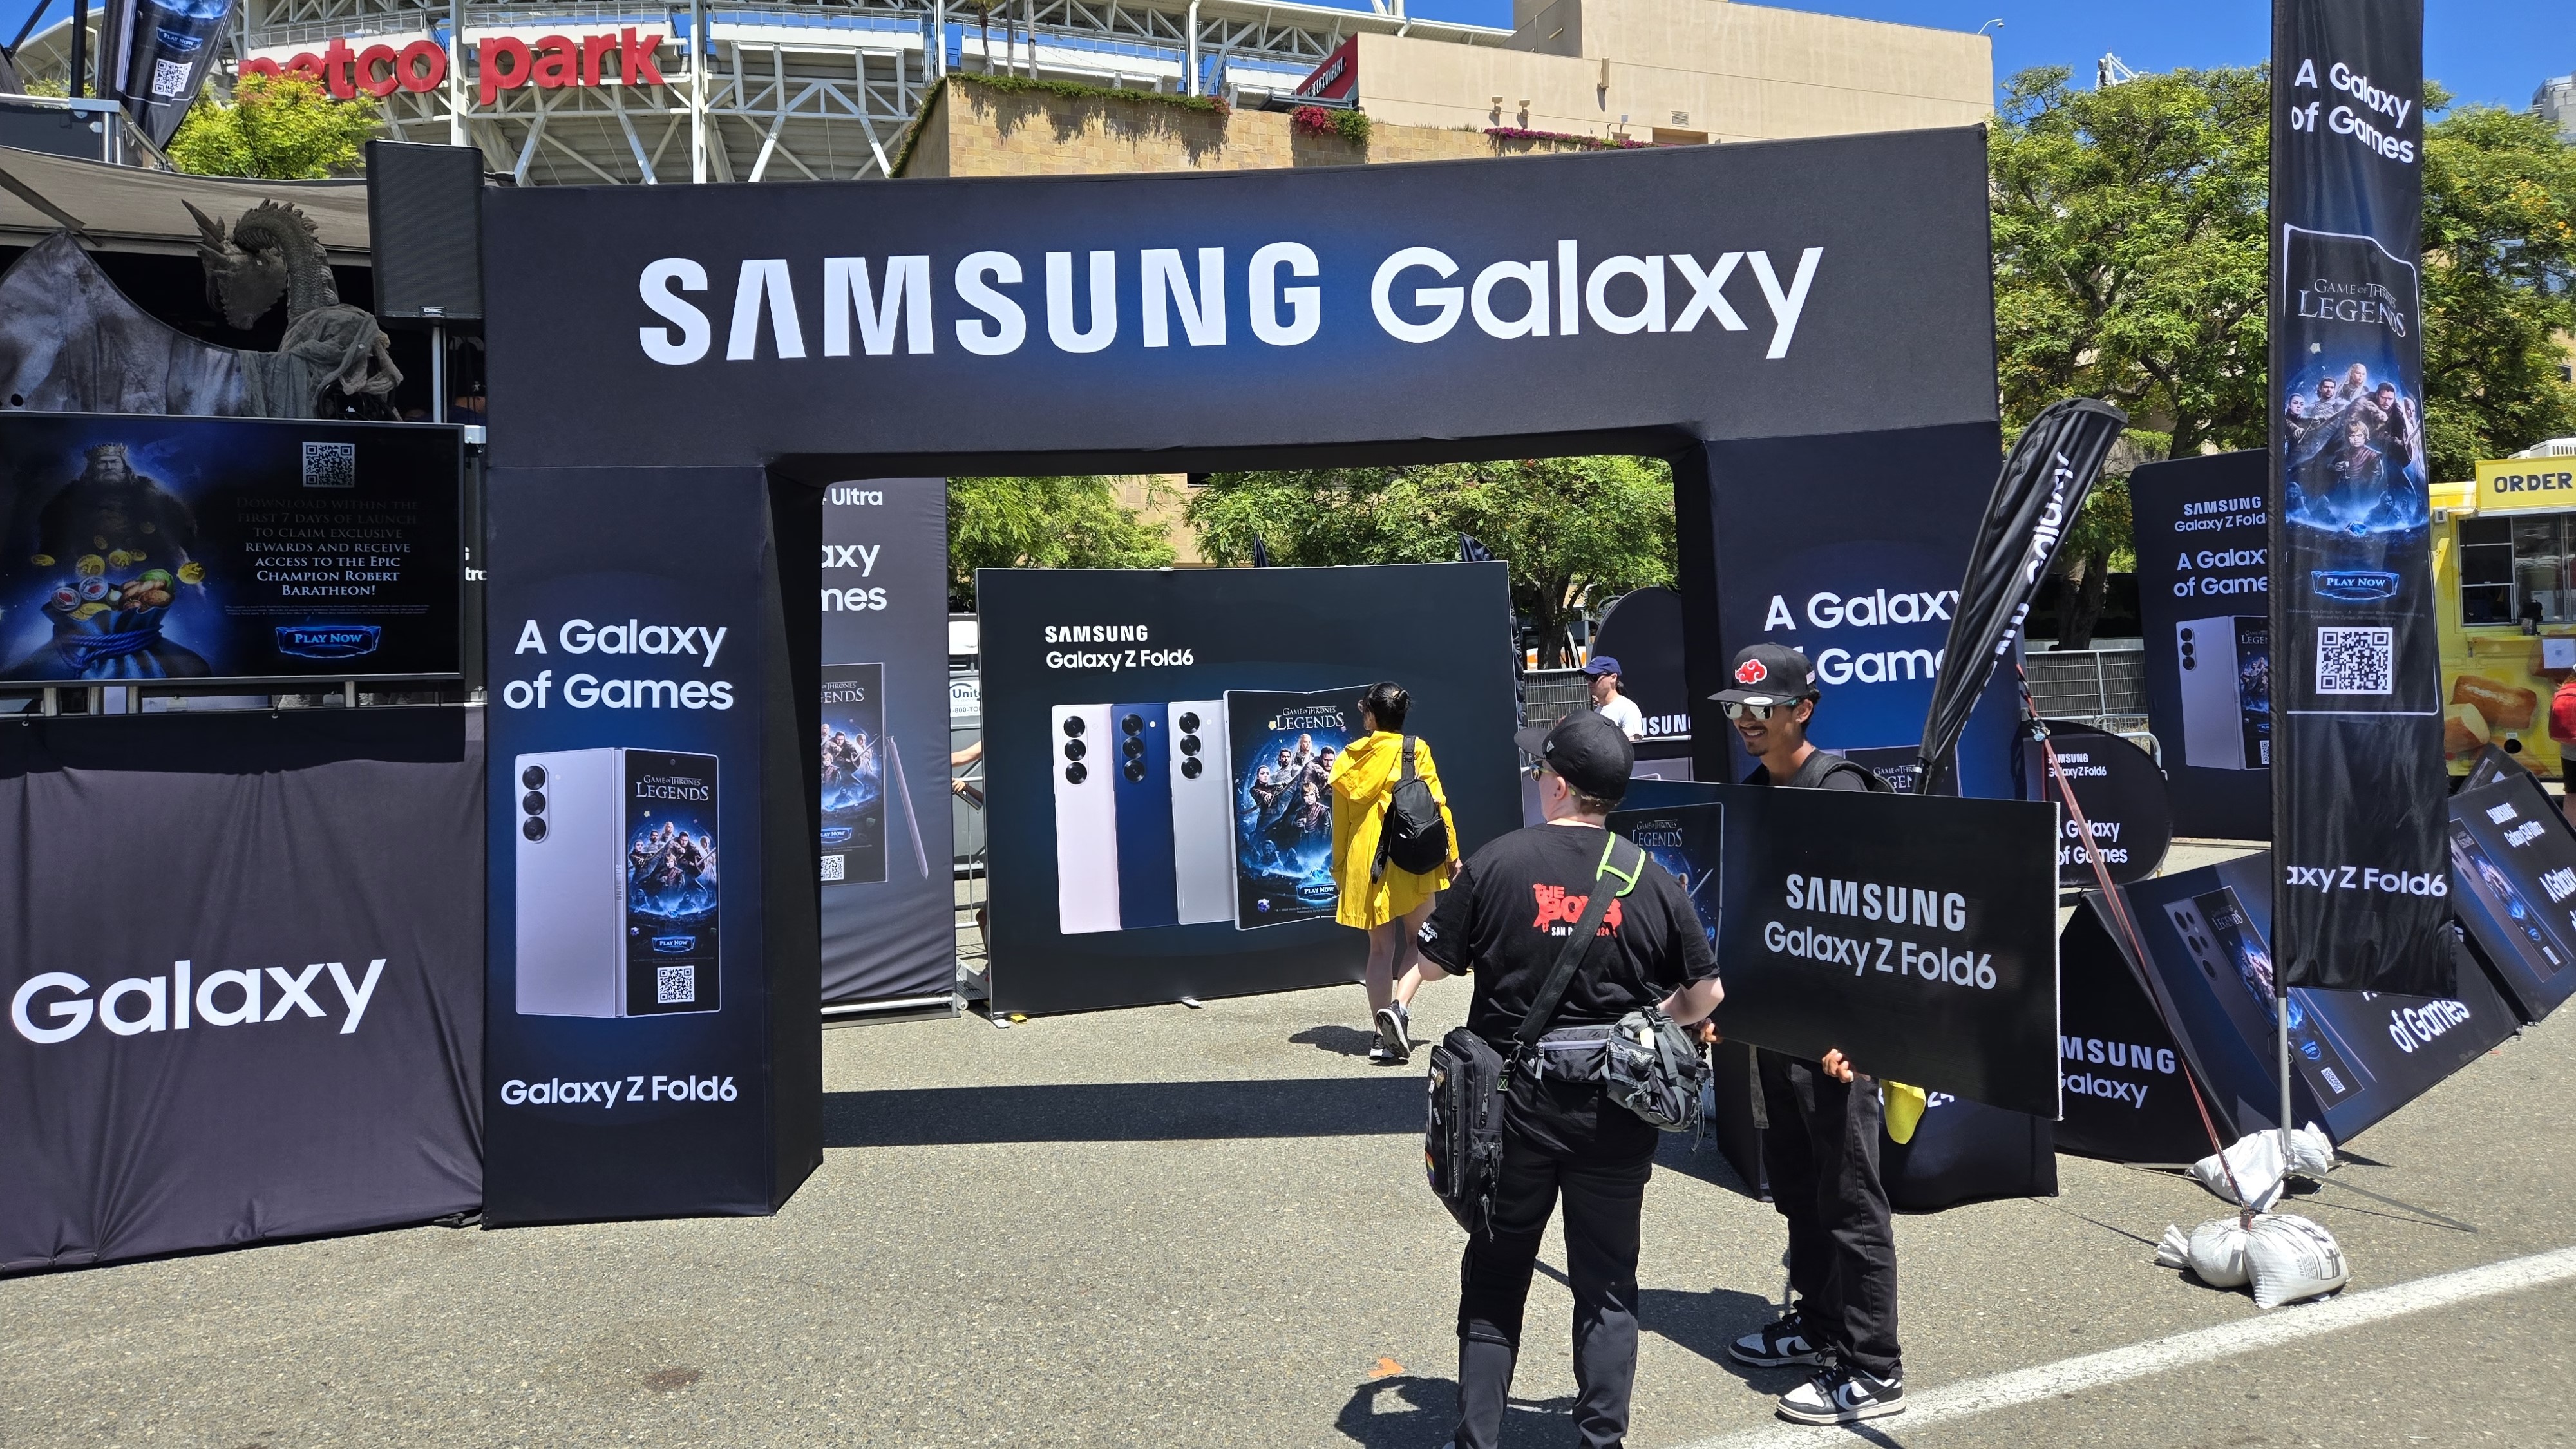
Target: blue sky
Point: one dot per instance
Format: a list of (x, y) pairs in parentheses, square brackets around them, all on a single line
[(2496, 51)]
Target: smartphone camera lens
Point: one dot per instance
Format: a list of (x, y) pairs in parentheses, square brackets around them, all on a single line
[(1191, 769), (1073, 726), (1074, 750), (1134, 749), (534, 777), (533, 803), (1189, 744), (533, 828), (1136, 771), (1189, 723), (1133, 724), (1075, 774)]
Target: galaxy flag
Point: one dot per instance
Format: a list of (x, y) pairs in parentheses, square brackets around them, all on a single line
[(2357, 779)]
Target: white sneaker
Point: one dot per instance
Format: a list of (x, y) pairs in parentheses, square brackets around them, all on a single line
[(1842, 1395)]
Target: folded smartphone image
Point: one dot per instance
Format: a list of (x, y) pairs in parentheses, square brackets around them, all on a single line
[(1086, 818), (617, 883), (2226, 691), (2238, 964), (1142, 786), (1202, 821), (853, 774)]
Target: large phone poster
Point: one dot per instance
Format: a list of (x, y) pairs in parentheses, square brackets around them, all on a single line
[(649, 1032), (2356, 1056), (202, 550), (1283, 750), (2204, 604), (880, 764), (1159, 748), (2513, 885)]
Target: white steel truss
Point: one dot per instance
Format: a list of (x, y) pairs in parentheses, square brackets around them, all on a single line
[(795, 89)]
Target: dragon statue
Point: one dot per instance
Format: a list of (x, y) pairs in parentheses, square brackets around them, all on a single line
[(71, 342)]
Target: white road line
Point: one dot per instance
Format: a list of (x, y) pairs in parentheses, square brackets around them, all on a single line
[(2181, 1350)]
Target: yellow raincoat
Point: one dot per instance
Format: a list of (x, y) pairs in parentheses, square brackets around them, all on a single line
[(1363, 780)]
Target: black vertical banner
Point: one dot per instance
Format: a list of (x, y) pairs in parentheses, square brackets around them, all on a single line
[(2358, 776)]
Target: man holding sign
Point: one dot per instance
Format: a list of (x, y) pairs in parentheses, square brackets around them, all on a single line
[(1820, 1148)]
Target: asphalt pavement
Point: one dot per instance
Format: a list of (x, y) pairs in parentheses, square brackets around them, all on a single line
[(1209, 1227)]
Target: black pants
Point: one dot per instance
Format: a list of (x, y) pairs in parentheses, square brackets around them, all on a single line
[(1567, 1138), (1821, 1151)]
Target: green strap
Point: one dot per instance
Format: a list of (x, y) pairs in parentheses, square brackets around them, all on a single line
[(1627, 878)]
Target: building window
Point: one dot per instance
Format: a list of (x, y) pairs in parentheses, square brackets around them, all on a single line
[(2486, 571)]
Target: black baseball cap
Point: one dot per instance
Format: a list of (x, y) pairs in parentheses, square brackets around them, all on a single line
[(1590, 752), (1768, 674)]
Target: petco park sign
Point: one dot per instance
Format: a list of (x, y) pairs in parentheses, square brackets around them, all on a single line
[(501, 63)]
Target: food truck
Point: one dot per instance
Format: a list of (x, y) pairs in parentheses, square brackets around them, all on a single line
[(2504, 573)]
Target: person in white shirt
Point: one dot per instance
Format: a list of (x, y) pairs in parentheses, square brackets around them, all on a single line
[(1613, 706)]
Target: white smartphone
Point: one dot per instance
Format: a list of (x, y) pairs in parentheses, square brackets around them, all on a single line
[(1202, 813), (571, 915), (1086, 818)]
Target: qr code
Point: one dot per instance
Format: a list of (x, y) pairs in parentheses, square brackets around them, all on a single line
[(833, 867), (170, 77), (675, 985), (330, 465), (2357, 661)]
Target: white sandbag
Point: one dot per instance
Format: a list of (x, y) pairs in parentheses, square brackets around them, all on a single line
[(2215, 1253), (2258, 1169), (2292, 1258)]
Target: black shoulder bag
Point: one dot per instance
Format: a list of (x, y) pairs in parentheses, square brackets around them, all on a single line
[(1412, 834), (1462, 1144)]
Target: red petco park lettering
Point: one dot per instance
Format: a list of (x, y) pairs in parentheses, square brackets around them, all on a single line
[(505, 62)]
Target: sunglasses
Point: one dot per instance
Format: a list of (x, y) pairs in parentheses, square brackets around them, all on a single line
[(1537, 771), (1738, 710)]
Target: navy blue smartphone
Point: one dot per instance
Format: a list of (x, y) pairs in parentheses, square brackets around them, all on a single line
[(1141, 778)]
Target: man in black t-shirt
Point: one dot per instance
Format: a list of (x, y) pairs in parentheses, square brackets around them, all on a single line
[(1506, 916), (1820, 1147)]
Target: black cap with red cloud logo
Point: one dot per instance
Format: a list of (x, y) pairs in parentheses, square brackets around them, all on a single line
[(1769, 674)]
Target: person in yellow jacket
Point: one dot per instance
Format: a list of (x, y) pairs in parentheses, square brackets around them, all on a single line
[(1390, 905)]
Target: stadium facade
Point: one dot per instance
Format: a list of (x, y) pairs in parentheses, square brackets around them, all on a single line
[(572, 93)]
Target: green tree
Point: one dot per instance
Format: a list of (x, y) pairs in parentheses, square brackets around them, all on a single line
[(2130, 258), (280, 128), (1070, 523), (1574, 531), (2499, 279), (2129, 249)]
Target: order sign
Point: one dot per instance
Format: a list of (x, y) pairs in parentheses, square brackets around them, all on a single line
[(1916, 934)]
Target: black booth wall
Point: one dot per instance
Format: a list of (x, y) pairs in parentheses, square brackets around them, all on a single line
[(158, 848)]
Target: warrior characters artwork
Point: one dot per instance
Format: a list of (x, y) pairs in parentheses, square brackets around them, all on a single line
[(852, 773), (671, 870), (850, 777), (115, 550), (1285, 746)]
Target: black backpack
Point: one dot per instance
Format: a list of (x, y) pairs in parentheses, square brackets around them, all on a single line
[(1413, 834), (1825, 764)]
